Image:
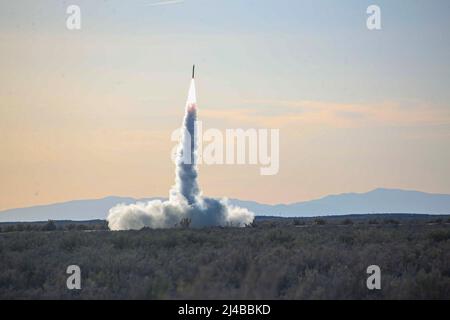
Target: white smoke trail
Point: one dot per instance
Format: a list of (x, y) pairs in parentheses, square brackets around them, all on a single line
[(186, 200)]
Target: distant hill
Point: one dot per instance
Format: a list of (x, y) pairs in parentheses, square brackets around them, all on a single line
[(78, 210), (376, 201)]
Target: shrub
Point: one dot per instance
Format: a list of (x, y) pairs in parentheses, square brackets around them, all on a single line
[(10, 228), (348, 222), (439, 235), (49, 226), (319, 222), (279, 236), (299, 222), (347, 239), (185, 223), (391, 221), (102, 226), (82, 227)]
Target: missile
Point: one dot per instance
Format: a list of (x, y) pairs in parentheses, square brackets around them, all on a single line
[(193, 71)]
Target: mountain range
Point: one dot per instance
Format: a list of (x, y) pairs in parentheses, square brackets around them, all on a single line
[(375, 201)]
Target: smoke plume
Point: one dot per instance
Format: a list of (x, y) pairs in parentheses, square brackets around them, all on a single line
[(186, 202)]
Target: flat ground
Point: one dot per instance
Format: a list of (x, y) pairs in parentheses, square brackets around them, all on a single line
[(273, 259)]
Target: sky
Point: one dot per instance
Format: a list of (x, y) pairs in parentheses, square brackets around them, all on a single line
[(89, 113)]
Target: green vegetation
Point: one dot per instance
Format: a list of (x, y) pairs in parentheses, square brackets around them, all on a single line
[(304, 258), (320, 222), (347, 222)]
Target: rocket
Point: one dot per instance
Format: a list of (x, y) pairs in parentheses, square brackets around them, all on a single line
[(191, 100)]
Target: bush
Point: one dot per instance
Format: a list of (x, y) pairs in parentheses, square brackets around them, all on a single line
[(102, 226), (439, 235), (279, 236), (347, 239), (49, 226), (82, 227), (391, 221), (319, 222), (251, 225), (10, 228), (185, 223), (348, 222), (299, 222)]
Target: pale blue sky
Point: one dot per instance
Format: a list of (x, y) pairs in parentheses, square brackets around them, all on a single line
[(312, 45)]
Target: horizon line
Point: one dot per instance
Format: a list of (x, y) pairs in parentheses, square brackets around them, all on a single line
[(246, 200)]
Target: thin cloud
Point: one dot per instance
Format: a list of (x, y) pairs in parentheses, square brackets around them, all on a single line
[(330, 114)]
